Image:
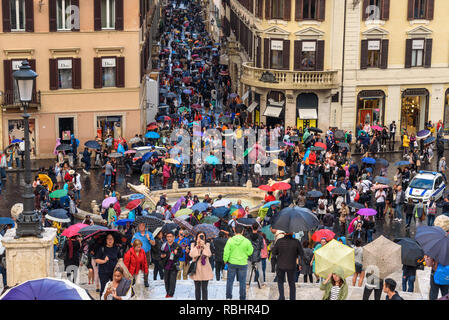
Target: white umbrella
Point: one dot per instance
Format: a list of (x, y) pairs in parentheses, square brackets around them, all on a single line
[(221, 203)]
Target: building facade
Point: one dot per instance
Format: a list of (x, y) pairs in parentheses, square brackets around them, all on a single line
[(91, 57)]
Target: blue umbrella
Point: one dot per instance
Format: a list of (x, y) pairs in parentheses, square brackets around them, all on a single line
[(58, 215), (435, 243), (382, 180), (314, 194), (4, 221), (369, 160), (123, 222), (271, 203), (402, 163), (370, 170), (92, 144), (220, 212), (46, 289), (200, 206), (187, 91), (147, 156), (383, 162), (212, 160), (136, 196), (16, 141), (423, 134), (268, 233), (152, 135), (429, 140)]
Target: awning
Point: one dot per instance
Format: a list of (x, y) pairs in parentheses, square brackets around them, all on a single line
[(252, 106), (307, 114), (272, 112)]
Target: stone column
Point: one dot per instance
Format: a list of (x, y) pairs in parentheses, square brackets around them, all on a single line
[(290, 109), (263, 106), (29, 258)]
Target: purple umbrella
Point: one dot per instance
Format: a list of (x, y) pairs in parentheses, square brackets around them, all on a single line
[(423, 134), (367, 212), (233, 95), (177, 205), (108, 201), (187, 91)]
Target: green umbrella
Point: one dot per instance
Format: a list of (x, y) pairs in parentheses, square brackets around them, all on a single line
[(182, 109), (268, 233), (58, 194), (247, 151), (210, 219)]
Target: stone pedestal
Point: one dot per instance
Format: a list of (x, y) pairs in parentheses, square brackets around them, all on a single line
[(29, 257)]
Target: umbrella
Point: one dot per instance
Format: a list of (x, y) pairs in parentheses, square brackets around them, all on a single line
[(149, 221), (402, 163), (195, 106), (58, 215), (314, 194), (271, 203), (435, 243), (169, 227), (295, 219), (377, 128), (356, 205), (281, 186), (429, 140), (92, 144), (212, 160), (157, 215), (187, 91), (133, 204), (317, 149), (183, 212), (411, 252), (339, 191), (169, 95), (380, 186), (210, 230), (64, 147), (115, 155), (321, 145), (164, 118), (101, 234), (334, 255), (369, 160), (265, 187), (178, 70), (46, 180), (268, 233), (58, 194), (221, 203), (200, 206), (294, 139), (210, 219), (225, 119), (220, 212), (123, 222), (136, 196), (383, 162), (130, 152), (278, 162), (16, 141), (339, 134), (343, 145), (108, 201), (149, 127), (423, 134), (6, 221), (147, 156), (46, 289), (323, 233), (383, 254), (315, 130), (183, 224), (152, 135), (246, 222), (73, 230), (92, 229), (171, 160), (239, 213), (233, 95), (367, 212)]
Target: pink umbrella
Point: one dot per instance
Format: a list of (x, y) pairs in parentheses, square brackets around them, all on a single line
[(377, 128), (380, 186), (351, 225), (73, 230), (367, 212), (108, 201), (130, 152)]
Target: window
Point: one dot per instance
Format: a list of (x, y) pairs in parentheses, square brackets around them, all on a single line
[(108, 73), (419, 11), (308, 55), (373, 54), (277, 9), (17, 15), (64, 73), (277, 47), (309, 11), (63, 15), (15, 66), (417, 53), (373, 10), (108, 14)]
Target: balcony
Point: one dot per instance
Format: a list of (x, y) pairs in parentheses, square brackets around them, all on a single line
[(12, 104), (289, 80)]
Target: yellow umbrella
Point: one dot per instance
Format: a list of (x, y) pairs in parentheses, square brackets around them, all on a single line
[(279, 162), (183, 212), (46, 181), (170, 160), (333, 255)]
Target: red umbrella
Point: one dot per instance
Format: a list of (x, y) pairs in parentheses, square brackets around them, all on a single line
[(266, 187), (330, 188), (133, 204), (152, 127), (323, 233), (73, 230), (281, 186), (186, 79), (320, 144), (195, 106)]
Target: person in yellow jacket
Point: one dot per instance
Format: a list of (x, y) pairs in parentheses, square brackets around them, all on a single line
[(405, 142)]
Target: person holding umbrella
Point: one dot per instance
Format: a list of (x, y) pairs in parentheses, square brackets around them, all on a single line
[(147, 240), (86, 160), (170, 254)]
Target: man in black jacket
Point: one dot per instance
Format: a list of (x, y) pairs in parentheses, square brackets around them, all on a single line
[(287, 250), (219, 244), (170, 254), (257, 242)]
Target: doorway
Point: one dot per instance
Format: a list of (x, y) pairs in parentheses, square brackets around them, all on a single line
[(414, 110), (66, 128), (275, 111)]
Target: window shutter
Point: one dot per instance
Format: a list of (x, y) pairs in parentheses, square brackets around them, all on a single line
[(321, 10), (297, 55), (97, 15), (54, 74), (411, 6), (29, 16), (52, 15), (75, 3), (6, 16), (430, 9), (286, 55), (259, 53), (384, 54), (408, 53), (319, 55), (266, 53), (268, 9), (364, 54), (120, 72), (298, 10), (287, 10), (428, 53), (76, 73), (260, 9), (385, 10), (7, 76), (32, 63), (119, 14), (97, 73), (364, 9)]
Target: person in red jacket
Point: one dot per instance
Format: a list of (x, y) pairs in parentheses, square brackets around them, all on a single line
[(136, 260), (269, 197), (312, 158)]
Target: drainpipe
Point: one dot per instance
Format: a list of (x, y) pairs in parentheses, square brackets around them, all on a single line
[(343, 57)]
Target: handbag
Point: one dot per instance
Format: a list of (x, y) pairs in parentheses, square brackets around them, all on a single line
[(192, 268)]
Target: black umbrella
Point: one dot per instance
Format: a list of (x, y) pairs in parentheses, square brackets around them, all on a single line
[(115, 155), (157, 215), (151, 222), (92, 144), (295, 219), (411, 251), (343, 145), (317, 148), (339, 191), (339, 134), (64, 147), (315, 130), (210, 230), (100, 236), (382, 180), (308, 140), (314, 194), (169, 227), (356, 205), (247, 222), (91, 229), (435, 243), (58, 215), (294, 139)]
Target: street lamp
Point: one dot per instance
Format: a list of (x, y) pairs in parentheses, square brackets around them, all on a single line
[(28, 222)]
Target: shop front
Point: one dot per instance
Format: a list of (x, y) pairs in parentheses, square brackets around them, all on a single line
[(307, 111), (109, 126), (414, 110), (16, 132), (275, 110), (371, 108)]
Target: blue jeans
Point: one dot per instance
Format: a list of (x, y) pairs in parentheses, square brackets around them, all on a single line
[(3, 273), (2, 173), (87, 167), (398, 211), (430, 219), (408, 219), (240, 271), (410, 280), (77, 194), (107, 180), (369, 235)]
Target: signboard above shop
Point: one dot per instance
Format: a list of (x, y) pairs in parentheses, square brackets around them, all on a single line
[(277, 45)]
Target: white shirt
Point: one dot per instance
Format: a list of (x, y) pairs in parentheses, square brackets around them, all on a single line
[(126, 297), (381, 194)]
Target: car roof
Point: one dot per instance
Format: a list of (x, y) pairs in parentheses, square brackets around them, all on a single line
[(427, 175)]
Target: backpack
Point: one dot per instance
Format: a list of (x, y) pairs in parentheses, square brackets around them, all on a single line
[(321, 206), (441, 275)]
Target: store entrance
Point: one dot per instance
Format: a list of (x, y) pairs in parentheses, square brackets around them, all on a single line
[(66, 129), (275, 111), (414, 110)]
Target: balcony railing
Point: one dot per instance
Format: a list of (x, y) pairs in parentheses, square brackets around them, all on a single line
[(286, 79), (11, 102)]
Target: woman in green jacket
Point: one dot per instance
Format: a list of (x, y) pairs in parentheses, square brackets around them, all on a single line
[(335, 287)]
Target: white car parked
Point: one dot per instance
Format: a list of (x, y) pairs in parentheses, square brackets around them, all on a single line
[(426, 184)]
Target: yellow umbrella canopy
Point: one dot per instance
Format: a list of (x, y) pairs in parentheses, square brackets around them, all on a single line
[(46, 181), (182, 212), (278, 162), (333, 255), (384, 255), (170, 160)]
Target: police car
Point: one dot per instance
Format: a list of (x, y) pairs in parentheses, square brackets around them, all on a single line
[(425, 184)]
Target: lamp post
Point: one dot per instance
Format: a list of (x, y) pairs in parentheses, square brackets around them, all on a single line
[(28, 222)]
